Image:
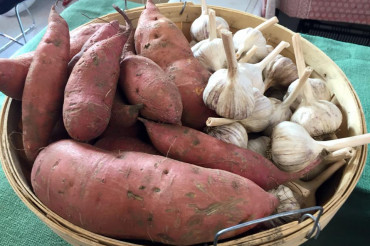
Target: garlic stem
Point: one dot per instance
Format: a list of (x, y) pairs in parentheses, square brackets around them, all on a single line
[(212, 121), (336, 144), (262, 64), (232, 63), (267, 23), (298, 53), (296, 91), (212, 25), (340, 154), (204, 7), (251, 52)]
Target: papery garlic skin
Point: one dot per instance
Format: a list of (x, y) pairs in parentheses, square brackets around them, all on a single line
[(292, 148), (232, 100), (211, 54), (318, 118), (260, 145), (244, 39), (320, 91), (278, 114), (199, 27), (233, 133), (287, 203)]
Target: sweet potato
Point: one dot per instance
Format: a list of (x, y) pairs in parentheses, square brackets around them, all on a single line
[(140, 196), (13, 71), (91, 88), (192, 146), (159, 39), (105, 31), (119, 144), (42, 98)]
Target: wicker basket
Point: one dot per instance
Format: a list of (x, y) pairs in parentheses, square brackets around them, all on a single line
[(294, 233)]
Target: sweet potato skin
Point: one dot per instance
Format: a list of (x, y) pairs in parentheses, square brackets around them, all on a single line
[(12, 77), (91, 88), (144, 82), (119, 144), (159, 39), (42, 97), (193, 146), (140, 196)]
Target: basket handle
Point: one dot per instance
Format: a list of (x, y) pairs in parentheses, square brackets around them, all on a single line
[(315, 231)]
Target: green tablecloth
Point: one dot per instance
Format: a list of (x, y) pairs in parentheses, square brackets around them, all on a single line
[(350, 226)]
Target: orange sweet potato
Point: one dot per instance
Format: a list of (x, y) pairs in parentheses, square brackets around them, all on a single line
[(91, 88), (192, 146), (105, 31), (140, 196), (42, 97), (159, 39), (119, 144)]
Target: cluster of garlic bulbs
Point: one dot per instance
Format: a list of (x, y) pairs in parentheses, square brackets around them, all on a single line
[(283, 128)]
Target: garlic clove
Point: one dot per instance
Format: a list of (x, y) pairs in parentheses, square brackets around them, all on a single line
[(260, 145), (233, 133), (228, 92)]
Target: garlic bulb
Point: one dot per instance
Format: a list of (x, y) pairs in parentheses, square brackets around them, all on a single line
[(199, 27), (233, 133), (287, 203), (292, 147), (244, 39), (260, 145), (317, 116), (319, 89), (281, 110), (280, 72), (209, 52), (338, 155), (228, 92), (257, 121), (254, 71), (305, 192)]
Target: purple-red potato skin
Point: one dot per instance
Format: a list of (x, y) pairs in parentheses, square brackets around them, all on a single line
[(119, 144), (192, 146), (91, 88), (140, 196), (159, 39), (42, 97), (107, 30), (144, 82), (123, 115)]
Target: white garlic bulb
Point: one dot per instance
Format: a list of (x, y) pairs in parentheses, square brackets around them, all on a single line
[(280, 72), (281, 110), (319, 88), (199, 27), (210, 52), (257, 121), (288, 202), (254, 71), (245, 38), (292, 147), (228, 92), (233, 133), (318, 117), (260, 145)]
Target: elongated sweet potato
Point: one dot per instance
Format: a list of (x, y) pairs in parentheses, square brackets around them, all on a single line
[(13, 71), (42, 97), (105, 31), (192, 146), (91, 88), (119, 144), (159, 39), (140, 196)]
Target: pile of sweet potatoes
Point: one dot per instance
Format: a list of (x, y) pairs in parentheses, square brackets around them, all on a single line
[(133, 162)]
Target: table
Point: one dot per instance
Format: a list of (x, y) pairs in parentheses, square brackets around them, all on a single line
[(19, 226)]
